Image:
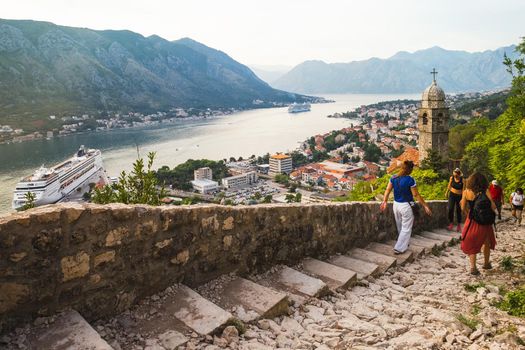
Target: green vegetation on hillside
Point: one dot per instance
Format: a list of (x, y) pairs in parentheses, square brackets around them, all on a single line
[(499, 151), (491, 106), (429, 183), (180, 176)]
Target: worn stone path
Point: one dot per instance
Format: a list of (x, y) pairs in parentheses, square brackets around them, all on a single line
[(367, 299)]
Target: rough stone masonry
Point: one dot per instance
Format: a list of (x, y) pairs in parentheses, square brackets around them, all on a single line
[(99, 260)]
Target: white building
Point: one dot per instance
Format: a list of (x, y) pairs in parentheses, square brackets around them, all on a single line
[(202, 174), (239, 181), (205, 186), (280, 163)]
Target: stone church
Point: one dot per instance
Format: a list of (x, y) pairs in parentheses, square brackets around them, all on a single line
[(433, 117), (433, 120)]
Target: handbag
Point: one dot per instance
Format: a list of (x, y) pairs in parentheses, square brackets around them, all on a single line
[(416, 208)]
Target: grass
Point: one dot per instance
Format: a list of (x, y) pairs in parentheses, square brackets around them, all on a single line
[(475, 310), (472, 287), (241, 327), (436, 250), (471, 323), (453, 242), (507, 263)]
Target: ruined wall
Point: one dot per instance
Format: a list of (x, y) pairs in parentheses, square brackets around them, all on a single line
[(101, 259)]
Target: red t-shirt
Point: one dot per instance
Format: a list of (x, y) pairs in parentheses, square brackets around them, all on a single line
[(495, 192)]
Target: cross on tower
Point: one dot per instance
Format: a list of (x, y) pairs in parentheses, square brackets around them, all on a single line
[(434, 72)]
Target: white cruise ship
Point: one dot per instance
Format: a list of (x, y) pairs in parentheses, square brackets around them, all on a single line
[(50, 185), (299, 107)]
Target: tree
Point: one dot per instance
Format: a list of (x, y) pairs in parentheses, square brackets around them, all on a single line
[(293, 188), (298, 197), (30, 201), (282, 179), (434, 161), (137, 187), (257, 195), (232, 160), (298, 159), (290, 198), (372, 152), (500, 150), (268, 198)]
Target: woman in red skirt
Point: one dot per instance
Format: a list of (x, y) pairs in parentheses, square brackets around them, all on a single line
[(474, 235)]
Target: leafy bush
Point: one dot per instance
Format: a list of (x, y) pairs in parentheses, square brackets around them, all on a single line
[(514, 302), (137, 187)]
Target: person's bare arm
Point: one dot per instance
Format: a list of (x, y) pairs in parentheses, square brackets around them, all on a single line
[(449, 186), (421, 200), (492, 204), (464, 200), (385, 196)]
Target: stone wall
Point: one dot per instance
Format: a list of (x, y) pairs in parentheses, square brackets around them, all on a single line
[(101, 259)]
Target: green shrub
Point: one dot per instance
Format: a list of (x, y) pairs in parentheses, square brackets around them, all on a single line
[(514, 302), (506, 263)]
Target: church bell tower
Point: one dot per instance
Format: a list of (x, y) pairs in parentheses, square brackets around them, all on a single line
[(433, 117)]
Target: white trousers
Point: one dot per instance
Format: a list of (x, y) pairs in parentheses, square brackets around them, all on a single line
[(404, 221)]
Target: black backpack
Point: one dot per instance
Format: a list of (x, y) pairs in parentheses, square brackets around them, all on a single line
[(481, 210)]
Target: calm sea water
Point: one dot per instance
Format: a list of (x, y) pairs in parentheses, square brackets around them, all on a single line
[(241, 134)]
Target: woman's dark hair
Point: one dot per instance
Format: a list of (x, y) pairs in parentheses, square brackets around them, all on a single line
[(519, 190), (406, 168), (477, 183)]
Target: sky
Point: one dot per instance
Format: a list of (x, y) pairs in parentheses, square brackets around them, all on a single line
[(288, 32)]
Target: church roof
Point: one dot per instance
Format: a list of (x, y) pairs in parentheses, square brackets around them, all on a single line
[(433, 97), (433, 93)]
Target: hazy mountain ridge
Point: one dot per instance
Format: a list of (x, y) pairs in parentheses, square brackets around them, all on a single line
[(403, 72), (46, 68)]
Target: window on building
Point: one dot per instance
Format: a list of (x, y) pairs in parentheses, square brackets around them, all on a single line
[(425, 119)]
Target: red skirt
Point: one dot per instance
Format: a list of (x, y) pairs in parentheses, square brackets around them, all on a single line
[(473, 240)]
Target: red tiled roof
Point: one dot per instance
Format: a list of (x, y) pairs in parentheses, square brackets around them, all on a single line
[(409, 154)]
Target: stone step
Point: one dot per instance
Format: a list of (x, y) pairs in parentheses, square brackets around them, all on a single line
[(255, 300), (197, 313), (426, 243), (69, 331), (386, 249), (165, 322), (416, 250), (383, 261), (362, 268), (437, 237), (445, 232), (334, 276), (295, 282)]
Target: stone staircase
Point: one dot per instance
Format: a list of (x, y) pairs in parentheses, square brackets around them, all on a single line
[(177, 314)]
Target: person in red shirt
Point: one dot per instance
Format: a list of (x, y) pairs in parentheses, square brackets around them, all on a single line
[(496, 192)]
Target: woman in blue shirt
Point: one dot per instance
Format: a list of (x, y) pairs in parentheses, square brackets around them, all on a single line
[(405, 190)]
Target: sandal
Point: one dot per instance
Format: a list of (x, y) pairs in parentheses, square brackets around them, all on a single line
[(487, 266), (474, 272)]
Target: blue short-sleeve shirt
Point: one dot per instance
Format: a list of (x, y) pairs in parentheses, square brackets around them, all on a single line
[(402, 188)]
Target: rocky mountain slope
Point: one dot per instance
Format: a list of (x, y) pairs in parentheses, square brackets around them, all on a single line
[(46, 68), (403, 72)]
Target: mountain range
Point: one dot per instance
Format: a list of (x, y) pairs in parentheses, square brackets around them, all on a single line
[(459, 71), (46, 68)]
